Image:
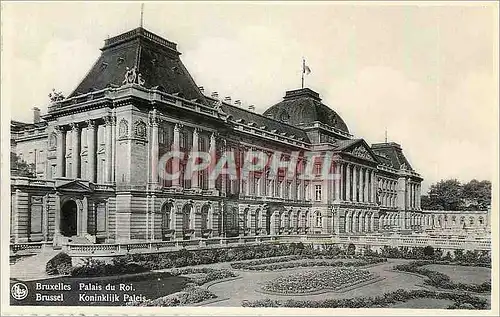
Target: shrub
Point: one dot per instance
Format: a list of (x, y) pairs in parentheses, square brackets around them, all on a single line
[(191, 294), (385, 300), (93, 267), (441, 280), (209, 274), (59, 264)]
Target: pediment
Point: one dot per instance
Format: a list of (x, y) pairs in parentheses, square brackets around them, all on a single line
[(361, 150), (74, 186)]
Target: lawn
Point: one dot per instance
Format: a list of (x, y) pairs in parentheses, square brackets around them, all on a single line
[(463, 274)]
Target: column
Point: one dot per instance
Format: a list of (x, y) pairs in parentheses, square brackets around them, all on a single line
[(408, 195), (154, 149), (337, 181), (194, 149), (360, 181), (354, 183), (113, 148), (92, 154), (109, 156), (84, 215), (61, 149), (75, 155), (366, 185), (419, 195), (341, 182), (348, 183), (175, 161), (212, 150), (374, 187)]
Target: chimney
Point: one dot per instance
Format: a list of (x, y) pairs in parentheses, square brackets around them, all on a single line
[(251, 107), (237, 103), (202, 89), (227, 99), (36, 114), (215, 94)]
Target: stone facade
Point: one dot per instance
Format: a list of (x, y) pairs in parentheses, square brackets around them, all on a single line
[(97, 154)]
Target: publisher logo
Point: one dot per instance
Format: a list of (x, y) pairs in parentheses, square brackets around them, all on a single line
[(19, 291)]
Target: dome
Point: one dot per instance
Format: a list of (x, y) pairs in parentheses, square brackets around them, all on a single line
[(303, 106)]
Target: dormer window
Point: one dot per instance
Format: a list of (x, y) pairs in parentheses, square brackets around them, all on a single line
[(284, 116)]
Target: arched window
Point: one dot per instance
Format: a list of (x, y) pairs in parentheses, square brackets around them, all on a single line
[(246, 219), (258, 219), (481, 220), (462, 220), (205, 220), (166, 220), (318, 218), (454, 220), (471, 221), (186, 217), (282, 216)]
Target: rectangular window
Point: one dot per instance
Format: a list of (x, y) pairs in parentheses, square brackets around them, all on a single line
[(36, 218), (317, 191), (101, 218), (317, 169)]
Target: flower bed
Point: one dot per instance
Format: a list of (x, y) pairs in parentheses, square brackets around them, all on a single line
[(311, 281), (441, 280), (462, 301), (203, 275), (284, 263), (191, 294)]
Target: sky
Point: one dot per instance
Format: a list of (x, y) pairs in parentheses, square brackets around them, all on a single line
[(425, 73)]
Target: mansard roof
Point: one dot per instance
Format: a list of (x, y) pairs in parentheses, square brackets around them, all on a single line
[(304, 106), (245, 116), (393, 154), (154, 58)]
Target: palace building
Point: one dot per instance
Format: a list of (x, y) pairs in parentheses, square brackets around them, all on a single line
[(96, 154)]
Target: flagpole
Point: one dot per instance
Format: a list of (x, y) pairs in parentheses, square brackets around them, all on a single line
[(142, 14), (303, 71)]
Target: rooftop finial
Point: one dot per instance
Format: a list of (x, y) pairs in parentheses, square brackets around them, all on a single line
[(385, 134), (142, 14)]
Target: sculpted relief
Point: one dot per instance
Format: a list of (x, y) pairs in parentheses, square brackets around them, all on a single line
[(362, 152)]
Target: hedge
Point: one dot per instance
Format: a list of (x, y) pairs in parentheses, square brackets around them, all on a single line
[(460, 301), (268, 265), (441, 280)]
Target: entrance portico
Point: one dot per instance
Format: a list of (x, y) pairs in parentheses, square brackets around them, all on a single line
[(71, 215)]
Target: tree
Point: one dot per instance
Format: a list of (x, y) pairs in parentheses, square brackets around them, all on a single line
[(446, 195), (477, 195), (427, 204), (429, 251), (19, 167)]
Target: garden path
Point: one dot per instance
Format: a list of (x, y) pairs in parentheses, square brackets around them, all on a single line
[(248, 286), (32, 267)]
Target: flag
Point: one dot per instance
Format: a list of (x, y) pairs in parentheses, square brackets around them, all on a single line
[(305, 69)]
